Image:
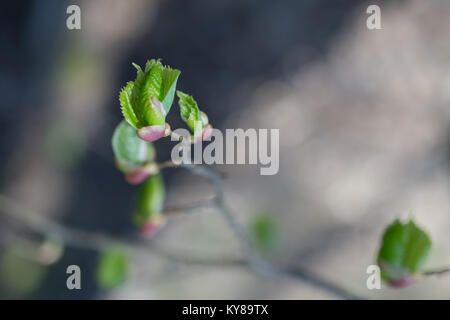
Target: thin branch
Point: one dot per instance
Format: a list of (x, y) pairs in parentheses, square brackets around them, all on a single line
[(167, 164), (253, 259), (436, 272), (94, 240), (188, 208)]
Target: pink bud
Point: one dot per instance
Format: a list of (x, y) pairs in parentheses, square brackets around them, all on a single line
[(204, 117), (151, 133), (136, 176), (207, 132), (402, 282), (152, 226), (139, 174)]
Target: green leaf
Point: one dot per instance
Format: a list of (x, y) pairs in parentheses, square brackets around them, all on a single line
[(170, 77), (156, 81), (150, 64), (152, 87), (130, 151), (111, 268), (136, 94), (127, 107), (264, 232), (150, 200), (403, 251), (190, 112)]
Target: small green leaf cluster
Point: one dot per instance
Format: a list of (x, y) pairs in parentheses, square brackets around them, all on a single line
[(155, 81), (403, 252), (146, 102)]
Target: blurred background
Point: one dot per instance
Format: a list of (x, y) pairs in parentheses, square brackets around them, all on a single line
[(364, 138)]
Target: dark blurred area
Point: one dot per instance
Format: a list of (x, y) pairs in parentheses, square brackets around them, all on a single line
[(59, 108)]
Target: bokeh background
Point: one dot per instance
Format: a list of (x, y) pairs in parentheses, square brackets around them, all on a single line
[(364, 138)]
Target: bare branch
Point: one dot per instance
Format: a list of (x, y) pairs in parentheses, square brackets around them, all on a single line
[(253, 258), (93, 240)]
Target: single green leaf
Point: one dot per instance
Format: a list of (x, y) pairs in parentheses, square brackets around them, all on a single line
[(190, 112), (136, 95), (264, 232), (127, 107), (152, 87), (111, 268), (170, 77), (404, 250), (130, 151), (150, 200)]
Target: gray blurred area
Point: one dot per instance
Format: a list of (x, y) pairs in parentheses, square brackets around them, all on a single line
[(364, 138)]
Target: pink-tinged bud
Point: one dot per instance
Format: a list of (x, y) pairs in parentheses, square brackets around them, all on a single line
[(402, 282), (167, 130), (207, 132), (158, 105), (204, 117), (152, 226), (138, 175), (151, 133)]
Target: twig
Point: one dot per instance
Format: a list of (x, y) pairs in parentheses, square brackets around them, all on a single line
[(187, 208), (167, 164), (253, 258), (436, 272), (94, 240), (87, 239)]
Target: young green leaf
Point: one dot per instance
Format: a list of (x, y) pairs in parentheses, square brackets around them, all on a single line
[(150, 200), (190, 112), (130, 151), (157, 81), (111, 268), (403, 251), (127, 107), (170, 77), (152, 87)]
